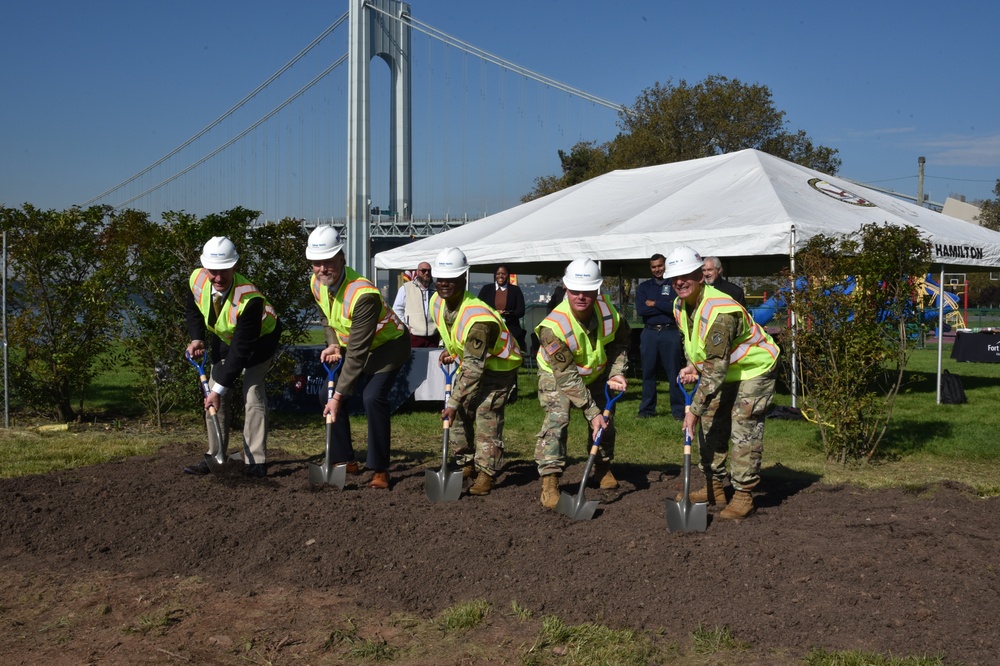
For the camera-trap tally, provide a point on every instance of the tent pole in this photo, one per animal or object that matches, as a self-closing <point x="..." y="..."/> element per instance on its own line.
<point x="6" y="386"/>
<point x="940" y="334"/>
<point x="795" y="367"/>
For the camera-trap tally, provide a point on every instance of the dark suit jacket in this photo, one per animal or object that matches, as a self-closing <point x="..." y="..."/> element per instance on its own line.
<point x="515" y="306"/>
<point x="731" y="290"/>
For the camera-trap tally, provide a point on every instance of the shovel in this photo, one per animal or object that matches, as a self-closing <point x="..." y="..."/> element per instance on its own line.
<point x="335" y="475"/>
<point x="577" y="507"/>
<point x="216" y="462"/>
<point x="442" y="485"/>
<point x="684" y="516"/>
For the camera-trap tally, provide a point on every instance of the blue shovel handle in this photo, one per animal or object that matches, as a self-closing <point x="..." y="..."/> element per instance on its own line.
<point x="331" y="377"/>
<point x="449" y="377"/>
<point x="200" y="367"/>
<point x="608" y="403"/>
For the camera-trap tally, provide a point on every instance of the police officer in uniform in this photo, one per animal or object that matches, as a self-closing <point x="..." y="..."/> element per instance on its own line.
<point x="659" y="341"/>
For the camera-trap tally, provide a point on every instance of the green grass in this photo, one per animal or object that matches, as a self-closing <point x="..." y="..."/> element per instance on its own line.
<point x="465" y="615"/>
<point x="926" y="442"/>
<point x="591" y="644"/>
<point x="719" y="639"/>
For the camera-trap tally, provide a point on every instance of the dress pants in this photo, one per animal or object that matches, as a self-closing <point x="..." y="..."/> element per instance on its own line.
<point x="661" y="348"/>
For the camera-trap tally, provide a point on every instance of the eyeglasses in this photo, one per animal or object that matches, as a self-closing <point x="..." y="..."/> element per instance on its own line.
<point x="423" y="270"/>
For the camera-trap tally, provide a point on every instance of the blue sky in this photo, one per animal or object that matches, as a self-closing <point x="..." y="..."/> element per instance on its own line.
<point x="93" y="92"/>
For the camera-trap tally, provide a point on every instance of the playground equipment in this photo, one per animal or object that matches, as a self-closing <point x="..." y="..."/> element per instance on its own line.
<point x="952" y="306"/>
<point x="926" y="287"/>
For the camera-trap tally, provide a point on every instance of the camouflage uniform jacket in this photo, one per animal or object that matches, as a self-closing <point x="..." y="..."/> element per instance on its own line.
<point x="479" y="340"/>
<point x="718" y="342"/>
<point x="564" y="370"/>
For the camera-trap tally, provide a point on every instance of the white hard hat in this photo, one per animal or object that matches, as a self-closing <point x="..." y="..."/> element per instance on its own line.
<point x="449" y="263"/>
<point x="583" y="275"/>
<point x="681" y="261"/>
<point x="219" y="253"/>
<point x="324" y="243"/>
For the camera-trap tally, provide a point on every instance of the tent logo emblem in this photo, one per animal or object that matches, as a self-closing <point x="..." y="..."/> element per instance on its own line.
<point x="839" y="193"/>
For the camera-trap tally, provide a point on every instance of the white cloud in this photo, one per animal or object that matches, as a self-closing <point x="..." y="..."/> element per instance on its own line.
<point x="982" y="151"/>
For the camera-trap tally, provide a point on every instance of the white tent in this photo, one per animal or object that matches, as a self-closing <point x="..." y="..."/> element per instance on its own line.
<point x="749" y="207"/>
<point x="742" y="206"/>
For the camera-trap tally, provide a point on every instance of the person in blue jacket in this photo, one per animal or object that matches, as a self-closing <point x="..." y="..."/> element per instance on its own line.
<point x="660" y="340"/>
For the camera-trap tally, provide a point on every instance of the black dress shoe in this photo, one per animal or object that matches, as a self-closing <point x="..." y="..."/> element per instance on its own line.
<point x="256" y="471"/>
<point x="201" y="469"/>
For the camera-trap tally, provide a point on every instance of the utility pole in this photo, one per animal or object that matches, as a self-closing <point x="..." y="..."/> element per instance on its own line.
<point x="920" y="181"/>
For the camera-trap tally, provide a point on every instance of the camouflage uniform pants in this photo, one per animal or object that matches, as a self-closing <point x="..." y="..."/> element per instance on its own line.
<point x="550" y="446"/>
<point x="737" y="415"/>
<point x="477" y="433"/>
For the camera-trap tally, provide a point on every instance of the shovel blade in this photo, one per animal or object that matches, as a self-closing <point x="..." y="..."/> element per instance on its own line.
<point x="216" y="462"/>
<point x="686" y="516"/>
<point x="576" y="507"/>
<point x="442" y="486"/>
<point x="325" y="475"/>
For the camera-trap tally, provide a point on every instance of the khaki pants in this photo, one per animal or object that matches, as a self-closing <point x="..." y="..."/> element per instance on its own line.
<point x="254" y="416"/>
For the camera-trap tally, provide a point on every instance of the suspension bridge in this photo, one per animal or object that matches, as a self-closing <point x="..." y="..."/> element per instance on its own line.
<point x="383" y="126"/>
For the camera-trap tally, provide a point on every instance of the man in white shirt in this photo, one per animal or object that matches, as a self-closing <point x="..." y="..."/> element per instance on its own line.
<point x="411" y="304"/>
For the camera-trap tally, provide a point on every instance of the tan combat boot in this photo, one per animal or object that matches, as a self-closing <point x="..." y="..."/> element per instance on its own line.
<point x="468" y="471"/>
<point x="602" y="473"/>
<point x="741" y="506"/>
<point x="483" y="484"/>
<point x="550" y="490"/>
<point x="714" y="493"/>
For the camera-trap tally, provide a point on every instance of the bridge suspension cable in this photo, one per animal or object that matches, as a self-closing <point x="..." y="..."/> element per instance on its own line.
<point x="442" y="36"/>
<point x="236" y="138"/>
<point x="225" y="115"/>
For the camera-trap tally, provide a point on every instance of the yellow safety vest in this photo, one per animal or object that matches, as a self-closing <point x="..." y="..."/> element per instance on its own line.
<point x="753" y="352"/>
<point x="505" y="354"/>
<point x="241" y="292"/>
<point x="339" y="311"/>
<point x="589" y="357"/>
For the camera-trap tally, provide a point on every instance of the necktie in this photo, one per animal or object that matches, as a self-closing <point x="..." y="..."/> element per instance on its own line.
<point x="217" y="302"/>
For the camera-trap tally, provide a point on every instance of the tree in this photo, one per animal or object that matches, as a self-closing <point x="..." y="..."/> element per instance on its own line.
<point x="855" y="304"/>
<point x="989" y="215"/>
<point x="72" y="272"/>
<point x="272" y="256"/>
<point x="584" y="161"/>
<point x="672" y="123"/>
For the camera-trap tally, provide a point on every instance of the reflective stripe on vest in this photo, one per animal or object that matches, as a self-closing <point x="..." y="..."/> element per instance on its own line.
<point x="339" y="312"/>
<point x="241" y="293"/>
<point x="753" y="353"/>
<point x="504" y="355"/>
<point x="590" y="361"/>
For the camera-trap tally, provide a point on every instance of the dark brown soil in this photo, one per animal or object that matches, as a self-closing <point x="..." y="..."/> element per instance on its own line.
<point x="136" y="562"/>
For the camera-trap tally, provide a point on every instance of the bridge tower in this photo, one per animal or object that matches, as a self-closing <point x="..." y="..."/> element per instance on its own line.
<point x="377" y="28"/>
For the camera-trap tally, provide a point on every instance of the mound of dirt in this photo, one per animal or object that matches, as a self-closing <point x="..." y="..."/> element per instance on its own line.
<point x="892" y="571"/>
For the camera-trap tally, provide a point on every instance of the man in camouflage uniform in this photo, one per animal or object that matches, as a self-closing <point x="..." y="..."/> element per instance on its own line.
<point x="474" y="335"/>
<point x="582" y="345"/>
<point x="736" y="360"/>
